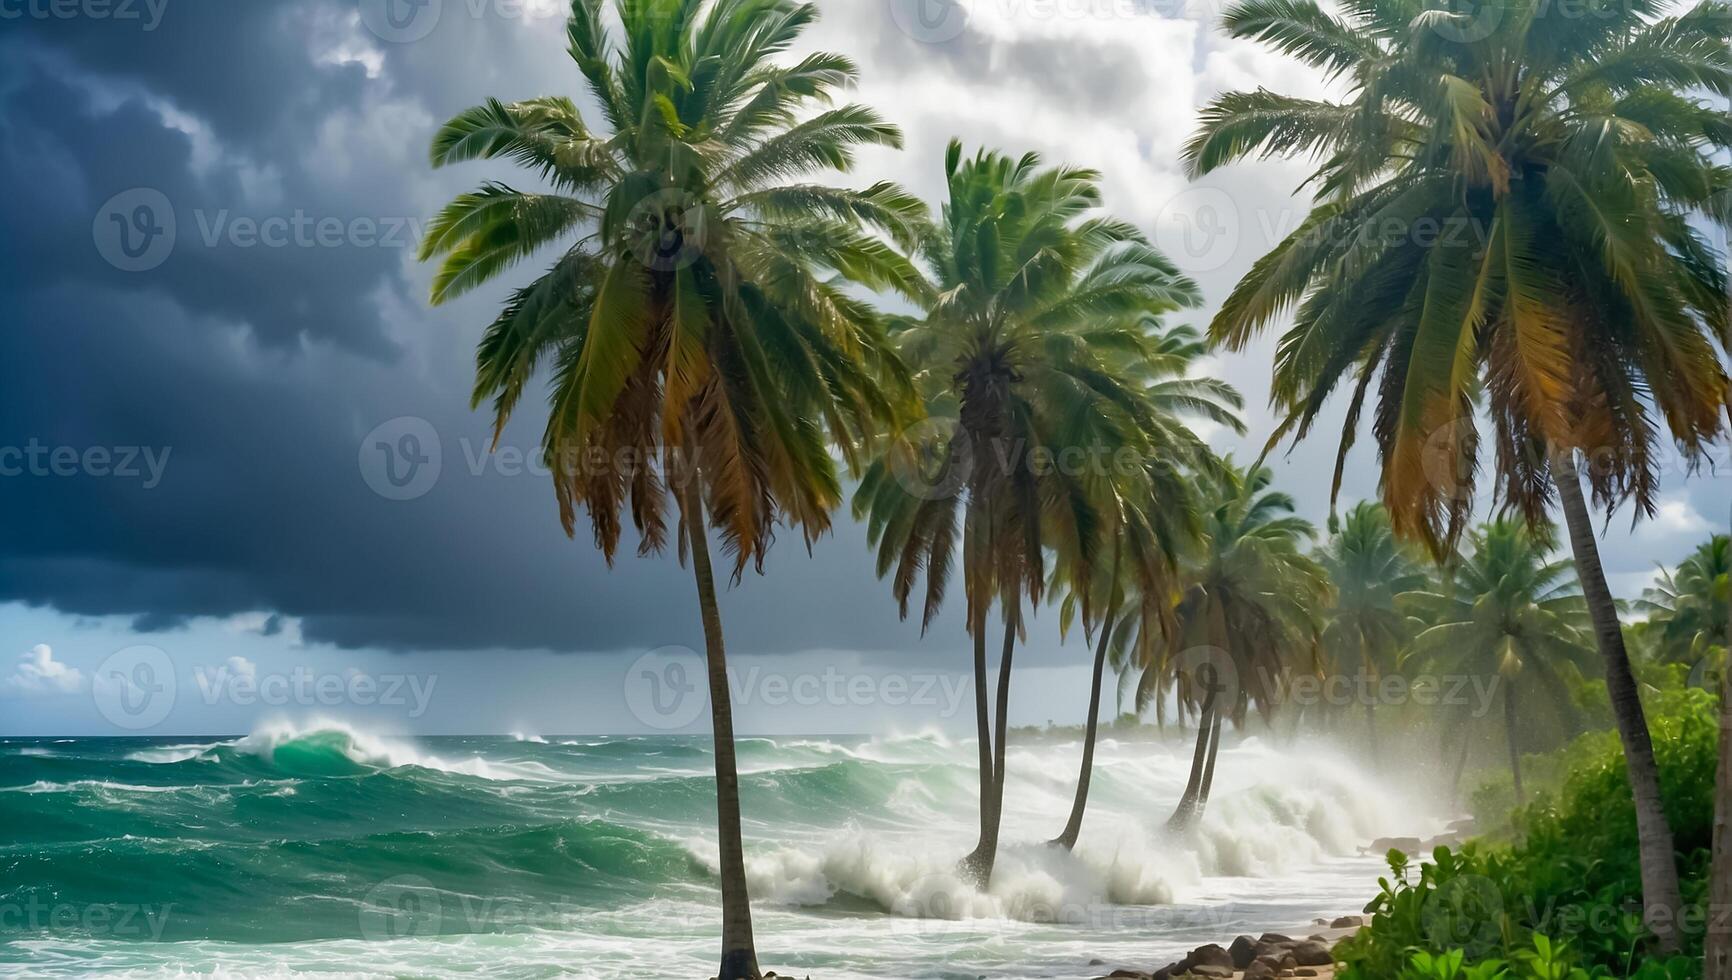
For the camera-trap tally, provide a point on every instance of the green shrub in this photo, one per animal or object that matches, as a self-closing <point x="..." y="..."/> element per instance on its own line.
<point x="1567" y="886"/>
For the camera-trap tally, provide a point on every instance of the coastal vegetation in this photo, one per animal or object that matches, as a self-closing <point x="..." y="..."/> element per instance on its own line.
<point x="738" y="338"/>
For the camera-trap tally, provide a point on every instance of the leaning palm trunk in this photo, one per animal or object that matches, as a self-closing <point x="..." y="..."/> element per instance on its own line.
<point x="1187" y="808"/>
<point x="1181" y="817"/>
<point x="739" y="952"/>
<point x="1073" y="826"/>
<point x="1209" y="768"/>
<point x="1662" y="900"/>
<point x="985" y="854"/>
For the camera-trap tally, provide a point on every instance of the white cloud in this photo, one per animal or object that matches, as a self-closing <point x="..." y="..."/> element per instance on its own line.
<point x="39" y="674"/>
<point x="1675" y="514"/>
<point x="242" y="667"/>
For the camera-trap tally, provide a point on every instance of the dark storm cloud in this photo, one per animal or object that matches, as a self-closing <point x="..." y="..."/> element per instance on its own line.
<point x="253" y="373"/>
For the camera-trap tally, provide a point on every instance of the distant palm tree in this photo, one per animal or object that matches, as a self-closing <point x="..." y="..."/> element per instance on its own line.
<point x="1036" y="303"/>
<point x="1149" y="521"/>
<point x="1510" y="227"/>
<point x="1364" y="631"/>
<point x="701" y="352"/>
<point x="1512" y="613"/>
<point x="1247" y="617"/>
<point x="1687" y="609"/>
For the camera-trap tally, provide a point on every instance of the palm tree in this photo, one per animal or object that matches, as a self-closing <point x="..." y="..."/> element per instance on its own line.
<point x="1511" y="612"/>
<point x="1149" y="519"/>
<point x="702" y="352"/>
<point x="1246" y="617"/>
<point x="1510" y="229"/>
<point x="1035" y="303"/>
<point x="1687" y="609"/>
<point x="1689" y="613"/>
<point x="1363" y="630"/>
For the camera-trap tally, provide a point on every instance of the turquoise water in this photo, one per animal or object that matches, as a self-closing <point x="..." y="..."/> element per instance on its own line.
<point x="323" y="850"/>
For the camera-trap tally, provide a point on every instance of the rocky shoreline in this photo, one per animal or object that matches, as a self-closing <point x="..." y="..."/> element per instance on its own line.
<point x="1264" y="957"/>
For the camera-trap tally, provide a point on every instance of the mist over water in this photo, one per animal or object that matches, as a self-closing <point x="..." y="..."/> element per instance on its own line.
<point x="319" y="848"/>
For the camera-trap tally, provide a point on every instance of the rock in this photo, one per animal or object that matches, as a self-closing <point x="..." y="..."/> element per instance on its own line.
<point x="1260" y="970"/>
<point x="1275" y="939"/>
<point x="1210" y="955"/>
<point x="1276" y="962"/>
<point x="1406" y="845"/>
<point x="1348" y="922"/>
<point x="1097" y="961"/>
<point x="1127" y="975"/>
<point x="1312" y="954"/>
<point x="1209" y="970"/>
<point x="1243" y="951"/>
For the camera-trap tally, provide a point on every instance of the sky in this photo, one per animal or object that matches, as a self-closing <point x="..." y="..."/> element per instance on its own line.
<point x="239" y="477"/>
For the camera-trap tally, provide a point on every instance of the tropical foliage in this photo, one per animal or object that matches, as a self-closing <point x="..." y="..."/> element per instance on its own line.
<point x="1511" y="229"/>
<point x="1568" y="873"/>
<point x="1687" y="611"/>
<point x="1510" y="612"/>
<point x="1363" y="630"/>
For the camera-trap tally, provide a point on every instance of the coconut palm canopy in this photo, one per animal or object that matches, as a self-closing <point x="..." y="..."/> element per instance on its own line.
<point x="1252" y="592"/>
<point x="1509" y="610"/>
<point x="698" y="303"/>
<point x="1040" y="333"/>
<point x="1369" y="568"/>
<point x="1512" y="225"/>
<point x="1687" y="610"/>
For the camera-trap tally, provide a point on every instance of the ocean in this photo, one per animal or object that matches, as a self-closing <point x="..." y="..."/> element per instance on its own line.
<point x="317" y="849"/>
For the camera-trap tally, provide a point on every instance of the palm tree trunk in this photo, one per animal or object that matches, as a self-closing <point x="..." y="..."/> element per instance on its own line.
<point x="985" y="854"/>
<point x="1073" y="826"/>
<point x="1460" y="767"/>
<point x="1509" y="730"/>
<point x="973" y="865"/>
<point x="1187" y="807"/>
<point x="1209" y="769"/>
<point x="1662" y="900"/>
<point x="739" y="952"/>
